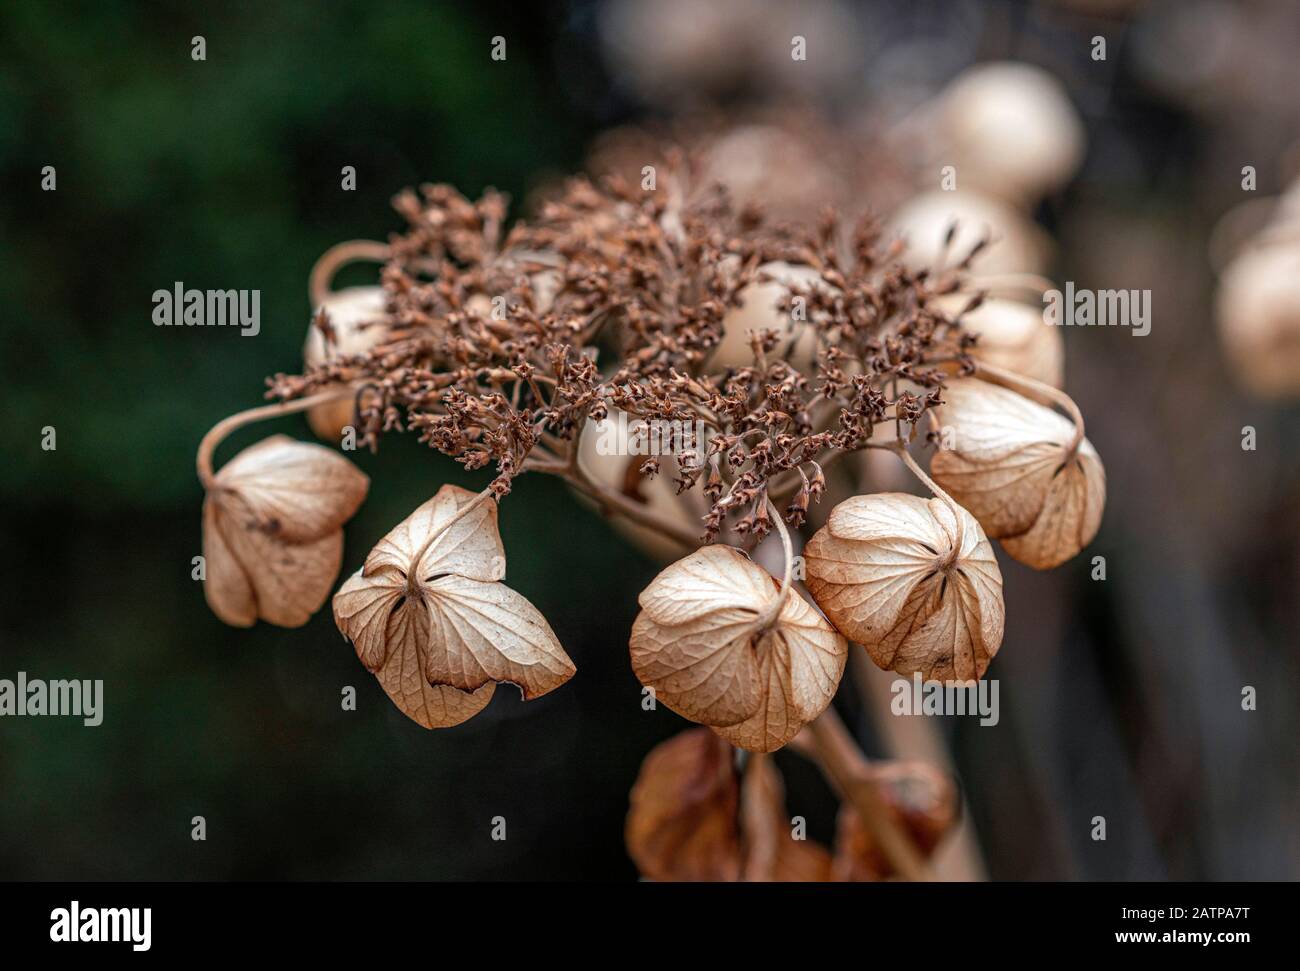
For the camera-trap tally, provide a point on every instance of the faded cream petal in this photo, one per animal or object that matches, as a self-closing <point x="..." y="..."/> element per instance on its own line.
<point x="485" y="632"/>
<point x="297" y="491"/>
<point x="469" y="547"/>
<point x="1007" y="460"/>
<point x="1070" y="516"/>
<point x="697" y="642"/>
<point x="225" y="585"/>
<point x="880" y="571"/>
<point x="402" y="676"/>
<point x="363" y="607"/>
<point x="708" y="673"/>
<point x="681" y="821"/>
<point x="801" y="663"/>
<point x="1013" y="336"/>
<point x="707" y="581"/>
<point x="290" y="581"/>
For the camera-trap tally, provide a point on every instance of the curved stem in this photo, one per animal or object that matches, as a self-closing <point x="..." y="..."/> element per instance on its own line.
<point x="1018" y="382"/>
<point x="850" y="773"/>
<point x="619" y="504"/>
<point x="338" y="256"/>
<point x="1025" y="282"/>
<point x="774" y="608"/>
<point x="219" y="431"/>
<point x="933" y="486"/>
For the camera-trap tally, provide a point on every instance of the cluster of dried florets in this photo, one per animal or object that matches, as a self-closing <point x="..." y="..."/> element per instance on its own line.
<point x="790" y="346"/>
<point x="499" y="347"/>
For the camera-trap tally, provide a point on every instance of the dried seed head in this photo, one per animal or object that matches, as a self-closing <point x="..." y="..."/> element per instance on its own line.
<point x="429" y="617"/>
<point x="1020" y="470"/>
<point x="761" y="308"/>
<point x="273" y="530"/>
<point x="711" y="645"/>
<point x="889" y="573"/>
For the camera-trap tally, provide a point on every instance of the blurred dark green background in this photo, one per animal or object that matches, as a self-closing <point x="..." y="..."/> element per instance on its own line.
<point x="1118" y="698"/>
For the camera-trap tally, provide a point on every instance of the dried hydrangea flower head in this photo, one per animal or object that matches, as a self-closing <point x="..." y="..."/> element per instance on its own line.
<point x="721" y="642"/>
<point x="1028" y="475"/>
<point x="506" y="347"/>
<point x="273" y="529"/>
<point x="912" y="580"/>
<point x="613" y="301"/>
<point x="431" y="620"/>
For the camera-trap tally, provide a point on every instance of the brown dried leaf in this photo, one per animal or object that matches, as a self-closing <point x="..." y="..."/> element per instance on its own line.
<point x="699" y="642"/>
<point x="681" y="824"/>
<point x="1010" y="465"/>
<point x="427" y="615"/>
<point x="272" y="531"/>
<point x="885" y="570"/>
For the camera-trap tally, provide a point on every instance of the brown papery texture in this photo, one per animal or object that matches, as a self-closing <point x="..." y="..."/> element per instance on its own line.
<point x="772" y="853"/>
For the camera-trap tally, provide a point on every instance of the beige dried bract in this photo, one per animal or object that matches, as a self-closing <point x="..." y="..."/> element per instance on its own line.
<point x="889" y="573"/>
<point x="1013" y="464"/>
<point x="703" y="643"/>
<point x="1258" y="309"/>
<point x="273" y="531"/>
<point x="358" y="322"/>
<point x="430" y="618"/>
<point x="1013" y="336"/>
